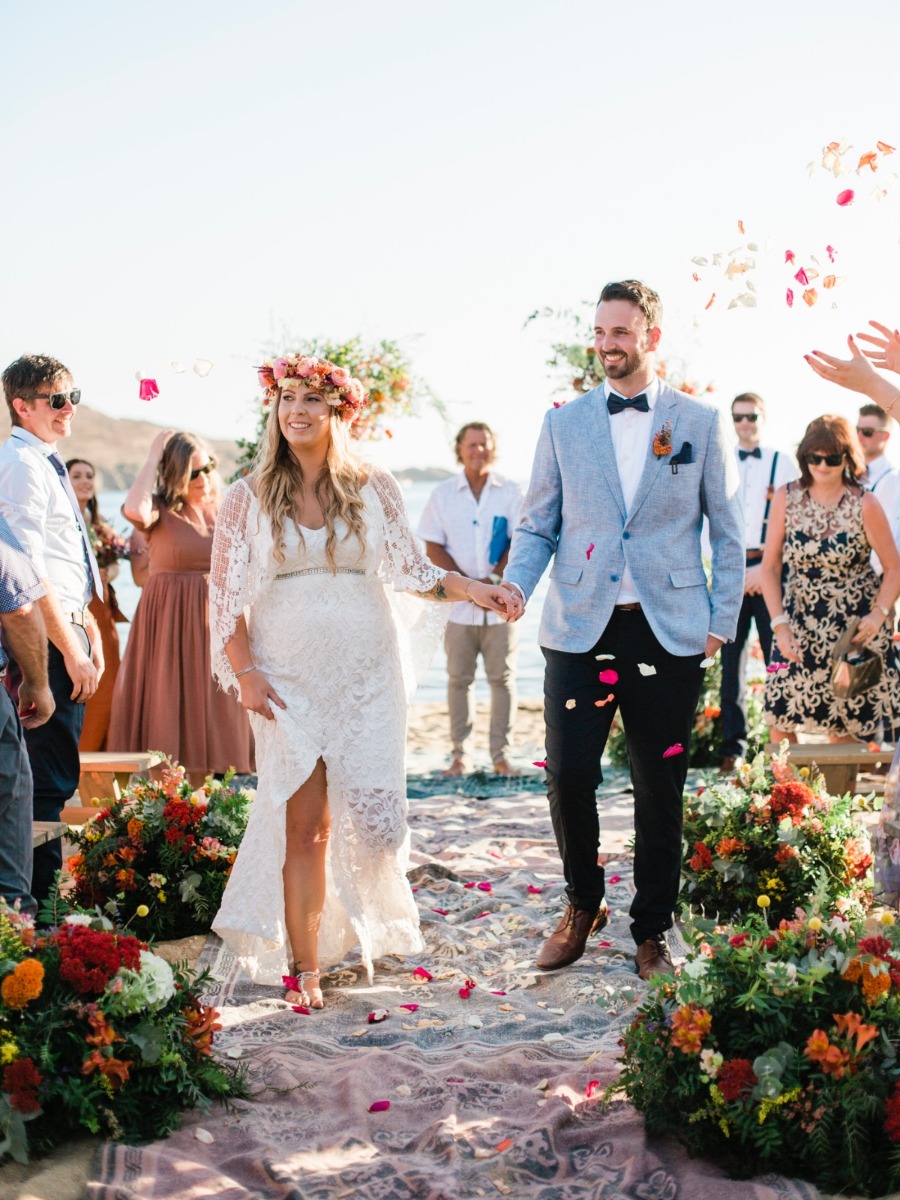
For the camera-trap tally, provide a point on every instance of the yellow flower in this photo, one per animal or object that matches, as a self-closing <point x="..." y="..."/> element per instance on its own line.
<point x="142" y="910"/>
<point x="886" y="918"/>
<point x="815" y="924"/>
<point x="763" y="901"/>
<point x="9" y="1052"/>
<point x="161" y="897"/>
<point x="804" y="772"/>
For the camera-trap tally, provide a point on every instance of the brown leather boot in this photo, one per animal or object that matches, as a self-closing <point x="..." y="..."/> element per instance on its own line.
<point x="567" y="941"/>
<point x="653" y="958"/>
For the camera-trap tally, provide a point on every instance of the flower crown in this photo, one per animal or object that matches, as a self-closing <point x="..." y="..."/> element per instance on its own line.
<point x="334" y="384"/>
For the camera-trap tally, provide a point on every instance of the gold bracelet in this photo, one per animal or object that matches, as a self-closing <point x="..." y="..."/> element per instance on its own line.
<point x="468" y="585"/>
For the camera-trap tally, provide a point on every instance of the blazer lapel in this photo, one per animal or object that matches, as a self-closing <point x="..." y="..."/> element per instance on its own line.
<point x="602" y="439"/>
<point x="665" y="410"/>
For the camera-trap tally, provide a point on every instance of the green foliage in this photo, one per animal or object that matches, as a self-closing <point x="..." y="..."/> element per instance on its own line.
<point x="384" y="370"/>
<point x="163" y="848"/>
<point x="775" y="1050"/>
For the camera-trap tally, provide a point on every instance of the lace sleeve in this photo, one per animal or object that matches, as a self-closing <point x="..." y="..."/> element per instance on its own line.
<point x="229" y="578"/>
<point x="409" y="569"/>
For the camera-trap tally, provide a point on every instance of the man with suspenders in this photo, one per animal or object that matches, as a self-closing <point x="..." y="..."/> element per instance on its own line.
<point x="882" y="480"/>
<point x="762" y="470"/>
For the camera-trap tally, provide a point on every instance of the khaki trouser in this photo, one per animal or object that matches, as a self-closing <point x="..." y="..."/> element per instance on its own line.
<point x="498" y="646"/>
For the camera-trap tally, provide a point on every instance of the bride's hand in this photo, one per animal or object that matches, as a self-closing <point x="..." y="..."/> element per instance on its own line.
<point x="494" y="596"/>
<point x="256" y="692"/>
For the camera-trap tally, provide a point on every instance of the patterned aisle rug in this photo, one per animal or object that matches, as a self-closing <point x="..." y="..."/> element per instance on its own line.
<point x="493" y="1088"/>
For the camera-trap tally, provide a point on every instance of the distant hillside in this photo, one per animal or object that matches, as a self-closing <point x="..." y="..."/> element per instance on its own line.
<point x="117" y="446"/>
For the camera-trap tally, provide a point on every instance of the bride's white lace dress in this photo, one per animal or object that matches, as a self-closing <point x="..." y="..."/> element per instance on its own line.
<point x="340" y="653"/>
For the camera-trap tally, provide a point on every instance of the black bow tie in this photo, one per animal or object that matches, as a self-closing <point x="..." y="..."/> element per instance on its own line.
<point x="616" y="404"/>
<point x="742" y="454"/>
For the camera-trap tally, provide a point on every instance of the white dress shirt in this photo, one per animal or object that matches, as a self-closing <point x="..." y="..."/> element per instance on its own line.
<point x="454" y="519"/>
<point x="38" y="510"/>
<point x="632" y="432"/>
<point x="883" y="481"/>
<point x="754" y="474"/>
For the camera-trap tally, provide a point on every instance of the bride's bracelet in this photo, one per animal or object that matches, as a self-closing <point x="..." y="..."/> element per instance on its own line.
<point x="468" y="585"/>
<point x="246" y="670"/>
<point x="781" y="619"/>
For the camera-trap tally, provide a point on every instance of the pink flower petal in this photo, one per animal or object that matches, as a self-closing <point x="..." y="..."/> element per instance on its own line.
<point x="423" y="974"/>
<point x="604" y="943"/>
<point x="300" y="1008"/>
<point x="480" y="915"/>
<point x="470" y="984"/>
<point x="291" y="982"/>
<point x="464" y="993"/>
<point x="148" y="390"/>
<point x="469" y="885"/>
<point x="534" y="891"/>
<point x="410" y="1007"/>
<point x="674" y="751"/>
<point x="589" y="551"/>
<point x="789" y="256"/>
<point x="615" y="879"/>
<point x="539" y="764"/>
<point x="376" y="1017"/>
<point x="802" y="277"/>
<point x="484" y="887"/>
<point x="442" y="912"/>
<point x="494" y="854"/>
<point x="830" y="251"/>
<point x="592" y="1088"/>
<point x="559" y="403"/>
<point x="846" y="197"/>
<point x="380" y="1106"/>
<point x="609" y="676"/>
<point x="497" y="993"/>
<point x="453" y="1079"/>
<point x="789" y="298"/>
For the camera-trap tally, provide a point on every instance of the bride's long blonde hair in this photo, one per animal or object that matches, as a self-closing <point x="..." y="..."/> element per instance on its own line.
<point x="278" y="477"/>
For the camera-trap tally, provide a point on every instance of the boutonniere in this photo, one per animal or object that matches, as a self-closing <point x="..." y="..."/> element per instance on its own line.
<point x="662" y="440"/>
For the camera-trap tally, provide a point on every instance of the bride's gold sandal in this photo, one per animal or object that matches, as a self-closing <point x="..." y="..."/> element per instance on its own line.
<point x="308" y="994"/>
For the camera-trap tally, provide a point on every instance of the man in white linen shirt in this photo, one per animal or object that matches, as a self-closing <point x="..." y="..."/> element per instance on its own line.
<point x="882" y="479"/>
<point x="37" y="500"/>
<point x="762" y="471"/>
<point x="467" y="526"/>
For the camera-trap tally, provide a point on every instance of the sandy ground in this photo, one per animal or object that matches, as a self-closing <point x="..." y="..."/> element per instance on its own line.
<point x="428" y="740"/>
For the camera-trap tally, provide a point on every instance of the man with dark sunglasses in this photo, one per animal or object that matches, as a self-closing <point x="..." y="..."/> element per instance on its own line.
<point x="882" y="479"/>
<point x="762" y="471"/>
<point x="38" y="502"/>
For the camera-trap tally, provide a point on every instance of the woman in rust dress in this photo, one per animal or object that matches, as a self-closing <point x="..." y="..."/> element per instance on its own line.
<point x="109" y="547"/>
<point x="165" y="697"/>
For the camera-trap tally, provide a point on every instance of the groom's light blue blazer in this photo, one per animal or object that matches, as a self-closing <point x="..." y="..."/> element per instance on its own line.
<point x="575" y="500"/>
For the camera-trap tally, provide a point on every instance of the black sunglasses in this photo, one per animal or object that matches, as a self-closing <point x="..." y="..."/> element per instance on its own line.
<point x="868" y="432"/>
<point x="58" y="399"/>
<point x="751" y="417"/>
<point x="207" y="470"/>
<point x="830" y="460"/>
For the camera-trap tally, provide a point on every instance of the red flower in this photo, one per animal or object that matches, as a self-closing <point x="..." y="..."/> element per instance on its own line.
<point x="88" y="958"/>
<point x="702" y="860"/>
<point x="791" y="797"/>
<point x="21" y="1079"/>
<point x="769" y="943"/>
<point x="786" y="855"/>
<point x="739" y="939"/>
<point x="892" y="1115"/>
<point x="735" y="1076"/>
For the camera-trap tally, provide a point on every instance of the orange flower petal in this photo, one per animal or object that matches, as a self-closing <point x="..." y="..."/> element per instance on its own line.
<point x="810" y="296"/>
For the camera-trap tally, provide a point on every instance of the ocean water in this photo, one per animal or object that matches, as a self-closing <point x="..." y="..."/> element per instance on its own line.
<point x="530" y="673"/>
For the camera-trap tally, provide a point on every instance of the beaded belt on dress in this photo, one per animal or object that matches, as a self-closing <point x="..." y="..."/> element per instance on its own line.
<point x="322" y="571"/>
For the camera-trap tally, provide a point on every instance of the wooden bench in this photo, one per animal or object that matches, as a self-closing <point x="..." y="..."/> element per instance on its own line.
<point x="46" y="831"/>
<point x="104" y="773"/>
<point x="839" y="762"/>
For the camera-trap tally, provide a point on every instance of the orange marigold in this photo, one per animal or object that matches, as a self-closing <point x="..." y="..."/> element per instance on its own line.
<point x="134" y="828"/>
<point x="23" y="984"/>
<point x="727" y="846"/>
<point x="690" y="1026"/>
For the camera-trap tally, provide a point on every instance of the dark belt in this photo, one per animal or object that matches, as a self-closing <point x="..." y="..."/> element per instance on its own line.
<point x="754" y="556"/>
<point x="628" y="607"/>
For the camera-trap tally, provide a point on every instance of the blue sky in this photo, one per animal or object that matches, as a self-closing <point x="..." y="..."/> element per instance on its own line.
<point x="184" y="179"/>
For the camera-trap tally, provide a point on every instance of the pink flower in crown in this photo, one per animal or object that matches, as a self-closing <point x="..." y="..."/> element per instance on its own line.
<point x="339" y="377"/>
<point x="279" y="368"/>
<point x="306" y="367"/>
<point x="265" y="375"/>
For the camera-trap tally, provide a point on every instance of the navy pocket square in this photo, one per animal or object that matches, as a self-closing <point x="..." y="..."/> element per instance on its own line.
<point x="683" y="458"/>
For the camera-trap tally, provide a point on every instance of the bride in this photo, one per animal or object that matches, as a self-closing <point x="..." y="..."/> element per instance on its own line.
<point x="309" y="551"/>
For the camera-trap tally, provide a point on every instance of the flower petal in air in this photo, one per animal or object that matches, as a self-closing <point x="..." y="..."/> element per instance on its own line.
<point x="376" y="1017"/>
<point x="609" y="676"/>
<point x="148" y="390"/>
<point x="539" y="764"/>
<point x="673" y="751"/>
<point x="178" y="367"/>
<point x="700" y="261"/>
<point x="421" y="973"/>
<point x="789" y="256"/>
<point x="741" y="229"/>
<point x="380" y="1106"/>
<point x="695" y="277"/>
<point x="830" y="251"/>
<point x="869" y="159"/>
<point x="802" y="277"/>
<point x="810" y="296"/>
<point x="885" y="148"/>
<point x="592" y="1088"/>
<point x="646" y="669"/>
<point x="589" y="551"/>
<point x="710" y="302"/>
<point x="202" y="367"/>
<point x="845" y="197"/>
<point x="789" y="297"/>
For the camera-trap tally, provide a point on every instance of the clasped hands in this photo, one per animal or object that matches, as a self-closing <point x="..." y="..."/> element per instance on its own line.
<point x="501" y="598"/>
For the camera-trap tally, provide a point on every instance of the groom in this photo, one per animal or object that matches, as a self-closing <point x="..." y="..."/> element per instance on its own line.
<point x="621" y="482"/>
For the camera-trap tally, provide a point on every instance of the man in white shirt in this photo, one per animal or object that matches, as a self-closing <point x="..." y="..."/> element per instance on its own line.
<point x="882" y="480"/>
<point x="38" y="502"/>
<point x="762" y="471"/>
<point x="467" y="526"/>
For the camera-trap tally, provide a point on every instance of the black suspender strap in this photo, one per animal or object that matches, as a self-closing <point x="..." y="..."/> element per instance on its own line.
<point x="769" y="494"/>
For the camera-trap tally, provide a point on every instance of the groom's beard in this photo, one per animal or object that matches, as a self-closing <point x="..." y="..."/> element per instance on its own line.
<point x="627" y="364"/>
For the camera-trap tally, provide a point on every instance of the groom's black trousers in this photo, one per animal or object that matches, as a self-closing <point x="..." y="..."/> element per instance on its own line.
<point x="657" y="713"/>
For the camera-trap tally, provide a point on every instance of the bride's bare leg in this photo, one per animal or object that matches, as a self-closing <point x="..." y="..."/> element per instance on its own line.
<point x="307" y="827"/>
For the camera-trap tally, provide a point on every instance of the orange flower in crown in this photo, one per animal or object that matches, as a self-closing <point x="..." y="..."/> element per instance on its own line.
<point x="337" y="387"/>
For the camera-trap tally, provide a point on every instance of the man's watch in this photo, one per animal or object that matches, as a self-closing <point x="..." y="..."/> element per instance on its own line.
<point x="495" y="578"/>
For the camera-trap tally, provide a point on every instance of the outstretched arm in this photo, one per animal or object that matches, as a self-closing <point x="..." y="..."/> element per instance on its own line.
<point x="857" y="374"/>
<point x="887" y="348"/>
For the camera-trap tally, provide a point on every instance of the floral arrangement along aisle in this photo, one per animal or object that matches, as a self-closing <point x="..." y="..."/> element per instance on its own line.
<point x="772" y="838"/>
<point x="385" y="372"/>
<point x="158" y="859"/>
<point x="775" y="1049"/>
<point x="97" y="1033"/>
